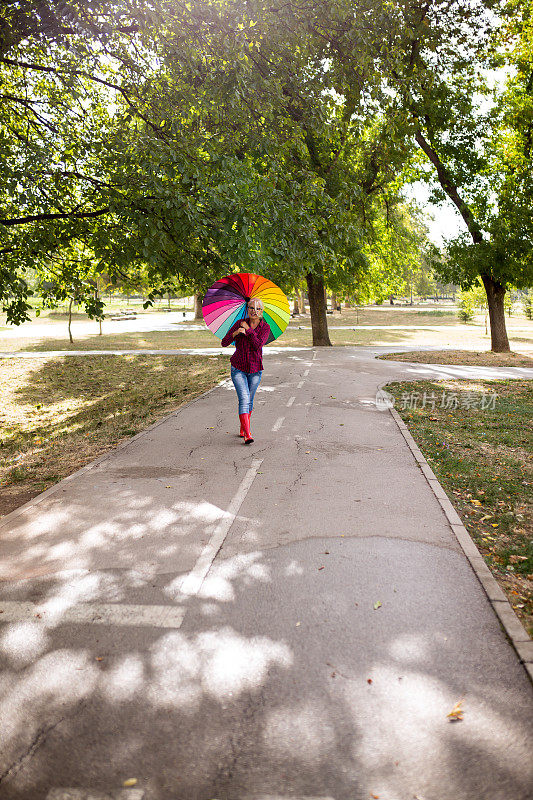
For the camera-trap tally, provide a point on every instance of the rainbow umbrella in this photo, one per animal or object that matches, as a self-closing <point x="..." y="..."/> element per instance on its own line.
<point x="226" y="302"/>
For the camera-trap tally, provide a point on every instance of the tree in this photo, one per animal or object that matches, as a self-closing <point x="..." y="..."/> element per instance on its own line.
<point x="423" y="65"/>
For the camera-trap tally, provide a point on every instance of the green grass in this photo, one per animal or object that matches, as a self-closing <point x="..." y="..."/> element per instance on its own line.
<point x="59" y="414"/>
<point x="427" y="326"/>
<point x="465" y="357"/>
<point x="483" y="459"/>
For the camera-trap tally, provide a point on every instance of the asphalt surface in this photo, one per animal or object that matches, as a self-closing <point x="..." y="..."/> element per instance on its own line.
<point x="290" y="619"/>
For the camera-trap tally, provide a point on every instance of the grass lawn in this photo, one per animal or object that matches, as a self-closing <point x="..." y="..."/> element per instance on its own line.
<point x="465" y="357"/>
<point x="59" y="414"/>
<point x="482" y="457"/>
<point x="387" y="325"/>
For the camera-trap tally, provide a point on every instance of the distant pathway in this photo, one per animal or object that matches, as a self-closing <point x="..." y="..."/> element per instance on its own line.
<point x="420" y="370"/>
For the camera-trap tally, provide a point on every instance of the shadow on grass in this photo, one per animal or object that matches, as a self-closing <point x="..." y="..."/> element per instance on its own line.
<point x="145" y="340"/>
<point x="76" y="408"/>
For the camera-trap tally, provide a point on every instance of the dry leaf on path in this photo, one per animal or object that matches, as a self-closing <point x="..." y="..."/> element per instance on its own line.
<point x="377" y="605"/>
<point x="457" y="712"/>
<point x="130" y="782"/>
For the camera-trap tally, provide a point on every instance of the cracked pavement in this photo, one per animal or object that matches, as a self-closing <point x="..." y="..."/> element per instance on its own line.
<point x="280" y="678"/>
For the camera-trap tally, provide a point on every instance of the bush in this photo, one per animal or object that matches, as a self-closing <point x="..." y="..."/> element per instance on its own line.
<point x="527" y="304"/>
<point x="467" y="307"/>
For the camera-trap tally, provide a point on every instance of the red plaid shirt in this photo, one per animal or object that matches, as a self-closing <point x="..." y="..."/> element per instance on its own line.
<point x="248" y="346"/>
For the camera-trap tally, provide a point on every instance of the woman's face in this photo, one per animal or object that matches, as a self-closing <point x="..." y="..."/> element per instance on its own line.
<point x="255" y="309"/>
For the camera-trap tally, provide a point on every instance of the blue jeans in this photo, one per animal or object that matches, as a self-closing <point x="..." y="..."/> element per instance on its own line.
<point x="246" y="384"/>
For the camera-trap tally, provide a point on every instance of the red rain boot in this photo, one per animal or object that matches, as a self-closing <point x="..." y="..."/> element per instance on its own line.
<point x="241" y="434"/>
<point x="245" y="424"/>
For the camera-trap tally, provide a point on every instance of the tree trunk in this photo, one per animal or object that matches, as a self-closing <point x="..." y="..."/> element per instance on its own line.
<point x="295" y="307"/>
<point x="499" y="343"/>
<point x="302" y="302"/>
<point x="198" y="306"/>
<point x="333" y="301"/>
<point x="70" y="321"/>
<point x="317" y="306"/>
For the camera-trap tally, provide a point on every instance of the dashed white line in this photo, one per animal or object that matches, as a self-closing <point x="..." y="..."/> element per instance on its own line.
<point x="92" y="794"/>
<point x="278" y="423"/>
<point x="94" y="614"/>
<point x="306" y="373"/>
<point x="284" y="797"/>
<point x="290" y="401"/>
<point x="300" y="384"/>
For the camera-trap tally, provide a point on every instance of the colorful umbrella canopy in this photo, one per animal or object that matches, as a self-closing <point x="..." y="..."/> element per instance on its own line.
<point x="226" y="302"/>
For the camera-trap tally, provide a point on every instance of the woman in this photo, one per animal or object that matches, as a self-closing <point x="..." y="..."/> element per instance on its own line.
<point x="249" y="335"/>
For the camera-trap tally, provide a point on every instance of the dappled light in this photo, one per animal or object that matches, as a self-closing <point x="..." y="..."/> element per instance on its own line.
<point x="313" y="651"/>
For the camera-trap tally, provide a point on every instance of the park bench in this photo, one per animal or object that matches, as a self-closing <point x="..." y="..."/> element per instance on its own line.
<point x="128" y="313"/>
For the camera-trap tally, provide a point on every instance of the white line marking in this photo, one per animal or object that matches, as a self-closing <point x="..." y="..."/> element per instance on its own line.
<point x="195" y="578"/>
<point x="91" y="794"/>
<point x="284" y="797"/>
<point x="306" y="373"/>
<point x="278" y="423"/>
<point x="94" y="613"/>
<point x="134" y="615"/>
<point x="290" y="401"/>
<point x="300" y="384"/>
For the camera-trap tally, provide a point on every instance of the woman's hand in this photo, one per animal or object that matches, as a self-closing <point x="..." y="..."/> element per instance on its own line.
<point x="244" y="325"/>
<point x="240" y="329"/>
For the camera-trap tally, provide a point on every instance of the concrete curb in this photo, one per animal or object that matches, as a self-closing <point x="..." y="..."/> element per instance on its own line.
<point x="512" y="626"/>
<point x="8" y="518"/>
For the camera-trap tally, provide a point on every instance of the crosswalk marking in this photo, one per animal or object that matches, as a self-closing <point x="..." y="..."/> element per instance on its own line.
<point x="91" y="794"/>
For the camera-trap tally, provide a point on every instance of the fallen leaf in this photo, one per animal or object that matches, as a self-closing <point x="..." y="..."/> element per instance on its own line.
<point x="168" y="487"/>
<point x="130" y="782"/>
<point x="369" y="680"/>
<point x="495" y="524"/>
<point x="298" y="624"/>
<point x="476" y="502"/>
<point x="377" y="605"/>
<point x="457" y="712"/>
<point x="375" y="796"/>
<point x="487" y="516"/>
<point x="210" y="428"/>
<point x="98" y="658"/>
<point x="320" y="568"/>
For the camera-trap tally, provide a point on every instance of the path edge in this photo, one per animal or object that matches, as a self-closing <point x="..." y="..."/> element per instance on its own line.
<point x="8" y="518"/>
<point x="515" y="631"/>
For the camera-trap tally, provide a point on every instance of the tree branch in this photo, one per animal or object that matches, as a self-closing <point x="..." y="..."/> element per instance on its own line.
<point x="65" y="215"/>
<point x="449" y="186"/>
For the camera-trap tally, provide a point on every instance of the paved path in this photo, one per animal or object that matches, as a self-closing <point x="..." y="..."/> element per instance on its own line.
<point x="203" y="616"/>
